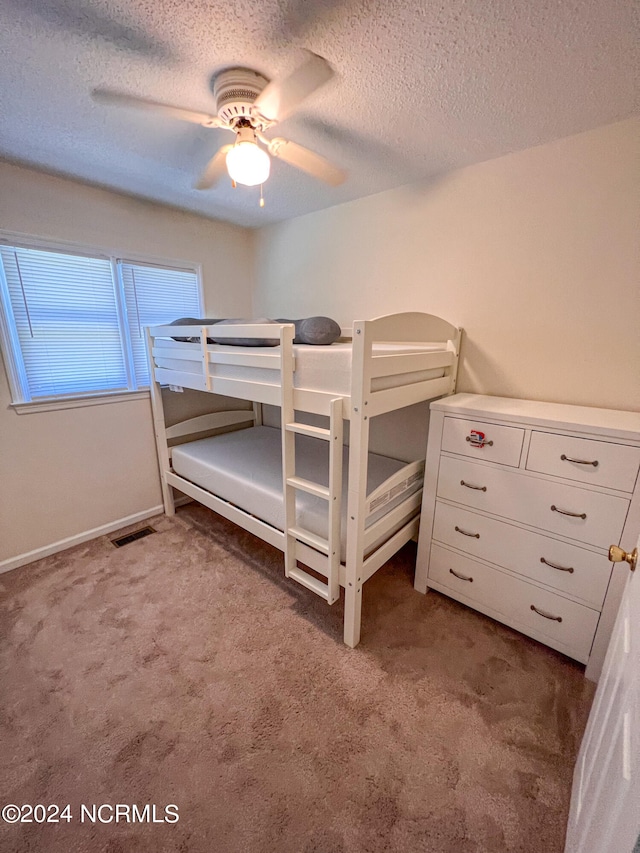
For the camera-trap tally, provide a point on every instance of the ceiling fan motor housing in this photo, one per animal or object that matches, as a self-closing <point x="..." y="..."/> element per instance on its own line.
<point x="235" y="90"/>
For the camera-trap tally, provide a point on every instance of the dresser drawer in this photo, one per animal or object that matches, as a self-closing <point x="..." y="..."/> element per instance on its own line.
<point x="602" y="463"/>
<point x="571" y="628"/>
<point x="597" y="518"/>
<point x="489" y="442"/>
<point x="523" y="552"/>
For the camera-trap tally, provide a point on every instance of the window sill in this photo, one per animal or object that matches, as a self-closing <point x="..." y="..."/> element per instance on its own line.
<point x="98" y="399"/>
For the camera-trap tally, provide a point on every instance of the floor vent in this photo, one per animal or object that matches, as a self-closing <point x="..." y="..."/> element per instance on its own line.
<point x="131" y="537"/>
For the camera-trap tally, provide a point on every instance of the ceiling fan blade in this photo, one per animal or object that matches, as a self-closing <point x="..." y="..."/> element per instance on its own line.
<point x="216" y="168"/>
<point x="298" y="18"/>
<point x="280" y="97"/>
<point x="84" y="18"/>
<point x="120" y="99"/>
<point x="306" y="160"/>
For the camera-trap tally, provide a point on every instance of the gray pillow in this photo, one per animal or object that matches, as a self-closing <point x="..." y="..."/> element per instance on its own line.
<point x="237" y="342"/>
<point x="246" y="342"/>
<point x="317" y="331"/>
<point x="192" y="321"/>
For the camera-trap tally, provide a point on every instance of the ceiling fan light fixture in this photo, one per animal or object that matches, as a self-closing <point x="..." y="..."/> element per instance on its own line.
<point x="247" y="163"/>
<point x="248" y="105"/>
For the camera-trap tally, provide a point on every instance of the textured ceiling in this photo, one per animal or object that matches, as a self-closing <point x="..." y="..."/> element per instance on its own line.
<point x="421" y="88"/>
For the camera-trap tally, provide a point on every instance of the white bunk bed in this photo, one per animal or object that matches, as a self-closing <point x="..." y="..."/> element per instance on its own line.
<point x="343" y="528"/>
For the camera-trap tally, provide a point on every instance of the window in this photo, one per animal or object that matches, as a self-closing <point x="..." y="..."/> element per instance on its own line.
<point x="153" y="296"/>
<point x="73" y="324"/>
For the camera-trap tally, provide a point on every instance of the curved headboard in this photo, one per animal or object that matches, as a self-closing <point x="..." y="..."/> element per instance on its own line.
<point x="412" y="326"/>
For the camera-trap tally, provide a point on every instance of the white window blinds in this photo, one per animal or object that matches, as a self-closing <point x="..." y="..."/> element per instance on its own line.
<point x="155" y="295"/>
<point x="74" y="324"/>
<point x="65" y="314"/>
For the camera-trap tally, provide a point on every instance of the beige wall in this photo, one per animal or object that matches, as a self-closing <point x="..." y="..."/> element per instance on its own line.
<point x="66" y="472"/>
<point x="535" y="254"/>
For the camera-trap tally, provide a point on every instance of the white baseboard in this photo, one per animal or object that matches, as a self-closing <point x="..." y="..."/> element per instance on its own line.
<point x="63" y="544"/>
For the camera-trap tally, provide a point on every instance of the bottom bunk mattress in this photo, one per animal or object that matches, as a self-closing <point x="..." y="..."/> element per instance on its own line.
<point x="245" y="469"/>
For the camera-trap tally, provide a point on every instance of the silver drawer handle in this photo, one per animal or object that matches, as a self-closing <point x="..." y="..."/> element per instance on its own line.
<point x="470" y="486"/>
<point x="559" y="568"/>
<point x="472" y="535"/>
<point x="582" y="515"/>
<point x="579" y="461"/>
<point x="479" y="443"/>
<point x="546" y="615"/>
<point x="462" y="577"/>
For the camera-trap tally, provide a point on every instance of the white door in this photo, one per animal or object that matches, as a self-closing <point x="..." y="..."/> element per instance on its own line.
<point x="605" y="799"/>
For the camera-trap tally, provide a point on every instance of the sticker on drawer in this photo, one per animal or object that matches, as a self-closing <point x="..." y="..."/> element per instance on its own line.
<point x="489" y="442"/>
<point x="477" y="438"/>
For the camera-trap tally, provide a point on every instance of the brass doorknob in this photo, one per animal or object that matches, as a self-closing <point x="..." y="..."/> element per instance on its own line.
<point x="617" y="555"/>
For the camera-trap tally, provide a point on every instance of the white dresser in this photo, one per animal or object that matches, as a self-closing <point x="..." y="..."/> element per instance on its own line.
<point x="521" y="502"/>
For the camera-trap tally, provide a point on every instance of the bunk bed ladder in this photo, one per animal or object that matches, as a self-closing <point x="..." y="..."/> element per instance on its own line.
<point x="296" y="536"/>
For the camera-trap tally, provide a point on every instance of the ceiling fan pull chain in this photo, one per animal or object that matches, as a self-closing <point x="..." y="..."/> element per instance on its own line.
<point x="261" y="197"/>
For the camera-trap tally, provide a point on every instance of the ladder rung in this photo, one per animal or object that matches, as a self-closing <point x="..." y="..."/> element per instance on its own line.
<point x="310" y="539"/>
<point x="307" y="429"/>
<point x="308" y="581"/>
<point x="308" y="486"/>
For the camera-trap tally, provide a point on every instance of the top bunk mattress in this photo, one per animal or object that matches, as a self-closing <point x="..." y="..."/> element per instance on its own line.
<point x="317" y="368"/>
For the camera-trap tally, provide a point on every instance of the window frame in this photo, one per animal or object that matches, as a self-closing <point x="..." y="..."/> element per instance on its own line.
<point x="10" y="344"/>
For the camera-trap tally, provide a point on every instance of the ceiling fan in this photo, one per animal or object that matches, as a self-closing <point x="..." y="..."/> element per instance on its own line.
<point x="248" y="105"/>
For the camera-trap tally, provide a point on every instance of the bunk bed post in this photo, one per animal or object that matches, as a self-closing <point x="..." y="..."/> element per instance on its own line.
<point x="336" y="428"/>
<point x="204" y="355"/>
<point x="159" y="428"/>
<point x="357" y="496"/>
<point x="287" y="415"/>
<point x="454" y="346"/>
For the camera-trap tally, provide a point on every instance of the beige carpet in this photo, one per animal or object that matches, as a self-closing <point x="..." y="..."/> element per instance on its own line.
<point x="183" y="669"/>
